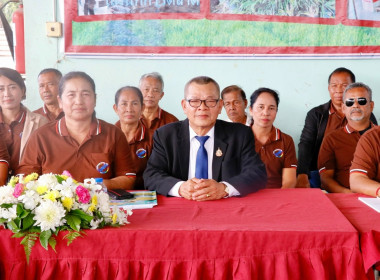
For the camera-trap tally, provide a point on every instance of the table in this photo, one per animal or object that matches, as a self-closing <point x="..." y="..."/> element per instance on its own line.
<point x="366" y="221"/>
<point x="272" y="234"/>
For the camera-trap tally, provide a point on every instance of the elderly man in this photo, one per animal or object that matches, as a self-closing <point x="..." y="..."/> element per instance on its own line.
<point x="338" y="147"/>
<point x="152" y="88"/>
<point x="202" y="158"/>
<point x="48" y="81"/>
<point x="320" y="121"/>
<point x="235" y="102"/>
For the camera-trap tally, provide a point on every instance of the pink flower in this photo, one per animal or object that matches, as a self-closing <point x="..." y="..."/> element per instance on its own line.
<point x="67" y="173"/>
<point x="83" y="194"/>
<point x="19" y="188"/>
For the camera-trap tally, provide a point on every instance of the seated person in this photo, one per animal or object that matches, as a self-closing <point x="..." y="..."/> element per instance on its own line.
<point x="4" y="162"/>
<point x="152" y="88"/>
<point x="276" y="149"/>
<point x="364" y="170"/>
<point x="319" y="122"/>
<point x="338" y="147"/>
<point x="202" y="158"/>
<point x="235" y="102"/>
<point x="79" y="142"/>
<point x="48" y="82"/>
<point x="16" y="121"/>
<point x="129" y="106"/>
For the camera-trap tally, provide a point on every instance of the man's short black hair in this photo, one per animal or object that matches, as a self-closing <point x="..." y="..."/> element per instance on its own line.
<point x="343" y="70"/>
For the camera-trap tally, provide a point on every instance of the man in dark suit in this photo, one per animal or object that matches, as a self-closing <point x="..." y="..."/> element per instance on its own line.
<point x="228" y="151"/>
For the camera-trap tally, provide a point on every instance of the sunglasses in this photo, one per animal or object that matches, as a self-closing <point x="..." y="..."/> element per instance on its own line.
<point x="351" y="101"/>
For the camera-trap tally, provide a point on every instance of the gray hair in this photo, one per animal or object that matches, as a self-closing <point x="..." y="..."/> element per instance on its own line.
<point x="202" y="80"/>
<point x="154" y="75"/>
<point x="358" y="85"/>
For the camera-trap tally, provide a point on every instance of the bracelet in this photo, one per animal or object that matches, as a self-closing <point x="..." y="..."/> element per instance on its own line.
<point x="377" y="192"/>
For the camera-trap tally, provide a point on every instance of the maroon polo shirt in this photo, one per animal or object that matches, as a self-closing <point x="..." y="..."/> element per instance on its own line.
<point x="104" y="153"/>
<point x="161" y="119"/>
<point x="337" y="151"/>
<point x="4" y="155"/>
<point x="141" y="148"/>
<point x="335" y="120"/>
<point x="367" y="154"/>
<point x="47" y="114"/>
<point x="12" y="134"/>
<point x="277" y="153"/>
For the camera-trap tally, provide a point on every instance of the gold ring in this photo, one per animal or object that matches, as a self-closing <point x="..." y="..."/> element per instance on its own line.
<point x="207" y="195"/>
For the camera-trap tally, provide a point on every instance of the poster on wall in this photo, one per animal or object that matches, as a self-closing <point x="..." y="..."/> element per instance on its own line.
<point x="257" y="28"/>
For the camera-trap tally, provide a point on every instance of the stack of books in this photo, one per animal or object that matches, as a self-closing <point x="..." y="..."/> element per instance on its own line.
<point x="140" y="200"/>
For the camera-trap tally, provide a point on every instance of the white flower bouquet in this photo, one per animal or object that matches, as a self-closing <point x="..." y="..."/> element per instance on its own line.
<point x="41" y="206"/>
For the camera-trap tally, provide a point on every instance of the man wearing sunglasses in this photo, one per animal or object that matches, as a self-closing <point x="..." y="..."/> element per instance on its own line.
<point x="320" y="121"/>
<point x="202" y="158"/>
<point x="338" y="147"/>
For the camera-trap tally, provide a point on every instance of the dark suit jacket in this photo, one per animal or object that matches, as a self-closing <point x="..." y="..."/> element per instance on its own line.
<point x="239" y="165"/>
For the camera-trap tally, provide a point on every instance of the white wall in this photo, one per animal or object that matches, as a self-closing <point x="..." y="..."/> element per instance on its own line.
<point x="302" y="83"/>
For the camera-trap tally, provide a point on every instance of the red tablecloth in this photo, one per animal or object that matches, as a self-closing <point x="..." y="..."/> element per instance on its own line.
<point x="273" y="234"/>
<point x="366" y="221"/>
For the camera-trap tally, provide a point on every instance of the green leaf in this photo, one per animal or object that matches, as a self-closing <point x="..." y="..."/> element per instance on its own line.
<point x="2" y="220"/>
<point x="59" y="179"/>
<point x="73" y="221"/>
<point x="19" y="209"/>
<point x="28" y="221"/>
<point x="71" y="236"/>
<point x="24" y="214"/>
<point x="35" y="229"/>
<point x="52" y="242"/>
<point x="12" y="226"/>
<point x="82" y="215"/>
<point x="28" y="242"/>
<point x="6" y="205"/>
<point x="19" y="234"/>
<point x="44" y="238"/>
<point x="18" y="222"/>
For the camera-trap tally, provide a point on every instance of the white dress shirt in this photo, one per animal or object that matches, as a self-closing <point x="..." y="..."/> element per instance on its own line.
<point x="194" y="146"/>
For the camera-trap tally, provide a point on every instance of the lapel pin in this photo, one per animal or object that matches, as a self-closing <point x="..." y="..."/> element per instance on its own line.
<point x="218" y="152"/>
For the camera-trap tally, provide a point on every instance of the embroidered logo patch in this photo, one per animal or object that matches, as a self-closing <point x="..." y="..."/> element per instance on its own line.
<point x="141" y="153"/>
<point x="278" y="153"/>
<point x="103" y="167"/>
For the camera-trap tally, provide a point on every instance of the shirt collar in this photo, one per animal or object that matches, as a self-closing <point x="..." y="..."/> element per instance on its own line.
<point x="20" y="117"/>
<point x="140" y="133"/>
<point x="332" y="109"/>
<point x="61" y="128"/>
<point x="349" y="129"/>
<point x="209" y="133"/>
<point x="275" y="134"/>
<point x="248" y="121"/>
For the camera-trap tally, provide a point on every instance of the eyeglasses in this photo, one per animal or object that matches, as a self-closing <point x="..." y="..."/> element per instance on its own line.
<point x="196" y="103"/>
<point x="361" y="101"/>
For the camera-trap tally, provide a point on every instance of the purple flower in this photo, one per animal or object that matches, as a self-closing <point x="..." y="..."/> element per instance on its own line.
<point x="19" y="188"/>
<point x="83" y="194"/>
